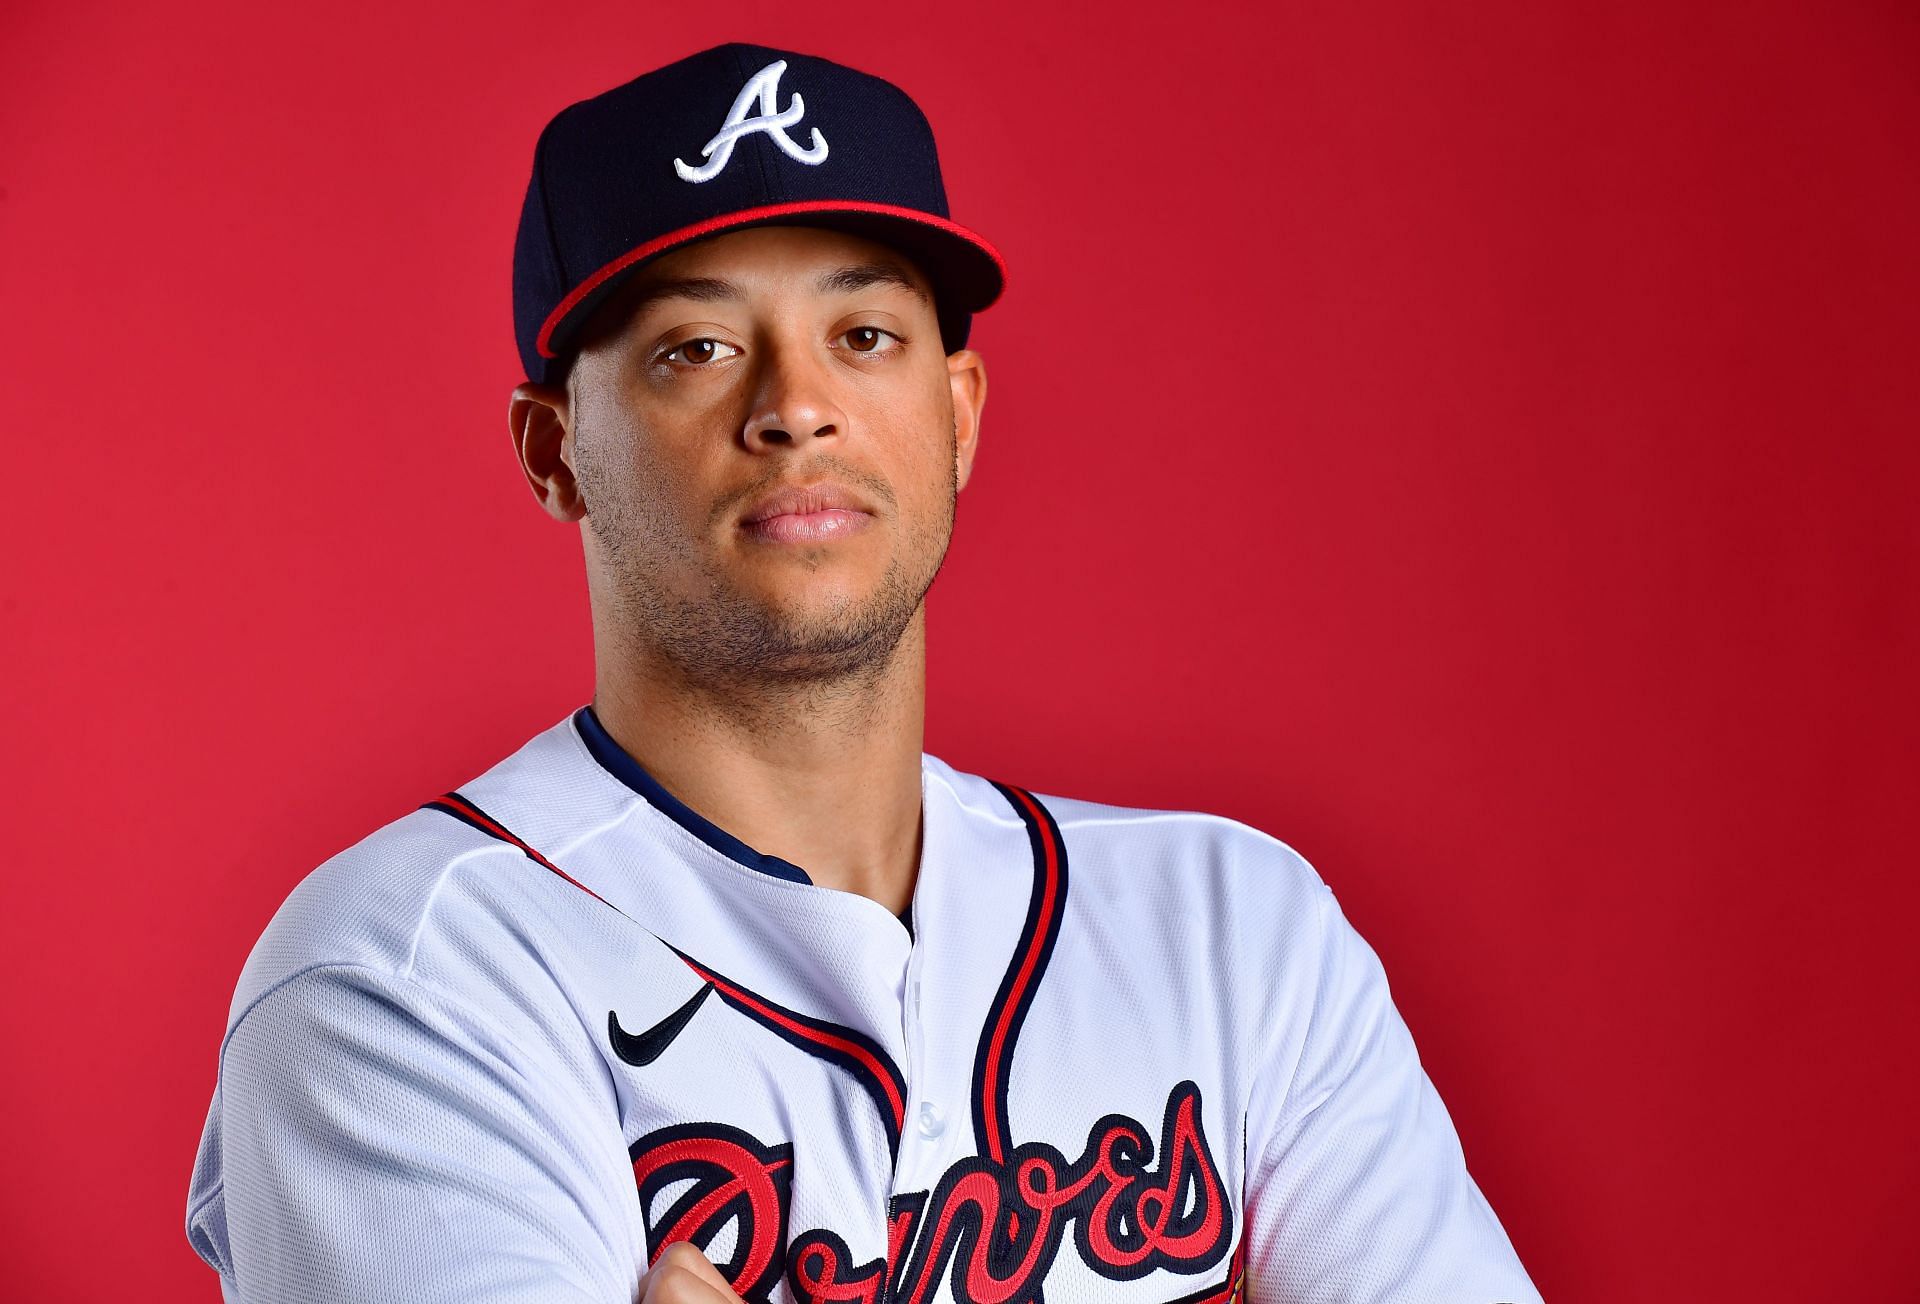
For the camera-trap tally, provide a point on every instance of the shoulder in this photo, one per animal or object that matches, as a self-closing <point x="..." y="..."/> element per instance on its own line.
<point x="363" y="908"/>
<point x="433" y="975"/>
<point x="397" y="903"/>
<point x="1240" y="874"/>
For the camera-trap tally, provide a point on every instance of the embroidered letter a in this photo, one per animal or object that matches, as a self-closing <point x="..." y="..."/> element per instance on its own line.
<point x="763" y="86"/>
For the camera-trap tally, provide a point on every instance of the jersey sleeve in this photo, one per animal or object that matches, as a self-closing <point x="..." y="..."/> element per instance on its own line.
<point x="1356" y="1186"/>
<point x="376" y="1140"/>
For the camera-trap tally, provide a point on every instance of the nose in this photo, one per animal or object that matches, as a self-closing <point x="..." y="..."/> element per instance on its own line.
<point x="795" y="402"/>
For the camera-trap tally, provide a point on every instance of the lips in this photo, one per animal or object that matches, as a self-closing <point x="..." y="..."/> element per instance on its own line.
<point x="798" y="500"/>
<point x="806" y="514"/>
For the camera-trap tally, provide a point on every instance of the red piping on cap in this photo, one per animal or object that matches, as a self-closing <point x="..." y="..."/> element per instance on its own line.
<point x="741" y="217"/>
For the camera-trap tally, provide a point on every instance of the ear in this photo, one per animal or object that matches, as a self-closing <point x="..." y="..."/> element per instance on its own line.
<point x="967" y="377"/>
<point x="542" y="427"/>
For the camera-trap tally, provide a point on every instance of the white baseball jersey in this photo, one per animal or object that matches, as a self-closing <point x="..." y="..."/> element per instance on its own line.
<point x="513" y="1044"/>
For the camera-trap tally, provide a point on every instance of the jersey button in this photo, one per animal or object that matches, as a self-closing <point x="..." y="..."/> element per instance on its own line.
<point x="932" y="1121"/>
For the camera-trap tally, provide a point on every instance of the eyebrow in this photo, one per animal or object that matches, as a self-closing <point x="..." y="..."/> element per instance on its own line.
<point x="713" y="289"/>
<point x="701" y="289"/>
<point x="846" y="280"/>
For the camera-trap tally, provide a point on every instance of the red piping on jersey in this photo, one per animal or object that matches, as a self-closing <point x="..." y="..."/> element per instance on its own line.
<point x="742" y="217"/>
<point x="853" y="1049"/>
<point x="997" y="1047"/>
<point x="459" y="806"/>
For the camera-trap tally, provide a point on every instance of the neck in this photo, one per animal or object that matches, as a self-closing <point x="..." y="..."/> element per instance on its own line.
<point x="824" y="774"/>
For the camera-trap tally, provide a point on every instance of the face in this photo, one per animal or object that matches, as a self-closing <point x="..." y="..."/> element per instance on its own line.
<point x="765" y="440"/>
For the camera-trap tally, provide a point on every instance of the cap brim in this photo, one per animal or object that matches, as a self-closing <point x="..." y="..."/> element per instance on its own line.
<point x="967" y="272"/>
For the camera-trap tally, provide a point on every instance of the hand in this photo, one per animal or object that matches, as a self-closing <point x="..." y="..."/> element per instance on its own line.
<point x="683" y="1275"/>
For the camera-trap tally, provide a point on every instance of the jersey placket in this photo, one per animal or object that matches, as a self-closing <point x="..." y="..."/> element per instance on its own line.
<point x="969" y="913"/>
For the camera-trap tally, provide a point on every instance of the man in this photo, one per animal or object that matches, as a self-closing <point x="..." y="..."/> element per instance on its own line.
<point x="719" y="988"/>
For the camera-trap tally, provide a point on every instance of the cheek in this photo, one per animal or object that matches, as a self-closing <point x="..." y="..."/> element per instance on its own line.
<point x="923" y="477"/>
<point x="635" y="455"/>
<point x="631" y="493"/>
<point x="922" y="432"/>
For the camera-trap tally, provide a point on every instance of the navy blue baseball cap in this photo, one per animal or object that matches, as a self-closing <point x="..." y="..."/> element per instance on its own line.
<point x="731" y="137"/>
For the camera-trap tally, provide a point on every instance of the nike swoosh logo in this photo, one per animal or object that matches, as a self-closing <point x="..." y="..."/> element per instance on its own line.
<point x="648" y="1046"/>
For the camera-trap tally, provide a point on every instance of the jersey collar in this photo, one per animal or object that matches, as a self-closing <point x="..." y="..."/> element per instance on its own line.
<point x="616" y="760"/>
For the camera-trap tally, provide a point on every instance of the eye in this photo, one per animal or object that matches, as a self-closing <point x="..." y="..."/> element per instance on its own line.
<point x="870" y="339"/>
<point x="699" y="352"/>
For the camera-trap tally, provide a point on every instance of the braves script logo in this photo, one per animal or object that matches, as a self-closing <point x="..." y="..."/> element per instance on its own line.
<point x="763" y="86"/>
<point x="994" y="1229"/>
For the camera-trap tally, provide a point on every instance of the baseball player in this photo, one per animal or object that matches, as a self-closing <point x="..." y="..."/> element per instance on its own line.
<point x="720" y="988"/>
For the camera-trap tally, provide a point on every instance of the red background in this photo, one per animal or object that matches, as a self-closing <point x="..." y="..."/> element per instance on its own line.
<point x="1475" y="443"/>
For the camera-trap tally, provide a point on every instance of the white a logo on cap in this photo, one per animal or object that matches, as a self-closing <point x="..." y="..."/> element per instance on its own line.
<point x="765" y="87"/>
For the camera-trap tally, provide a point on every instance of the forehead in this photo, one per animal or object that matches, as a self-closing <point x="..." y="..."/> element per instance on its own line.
<point x="775" y="258"/>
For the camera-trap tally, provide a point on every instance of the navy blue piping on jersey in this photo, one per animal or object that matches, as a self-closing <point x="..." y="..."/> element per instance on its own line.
<point x="615" y="760"/>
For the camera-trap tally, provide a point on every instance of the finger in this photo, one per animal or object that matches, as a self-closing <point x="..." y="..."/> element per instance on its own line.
<point x="678" y="1286"/>
<point x="683" y="1275"/>
<point x="685" y="1254"/>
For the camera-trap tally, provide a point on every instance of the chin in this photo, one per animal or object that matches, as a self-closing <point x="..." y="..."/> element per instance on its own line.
<point x="820" y="587"/>
<point x="835" y="624"/>
<point x="825" y="621"/>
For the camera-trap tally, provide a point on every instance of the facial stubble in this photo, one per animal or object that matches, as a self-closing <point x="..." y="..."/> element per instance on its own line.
<point x="712" y="632"/>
